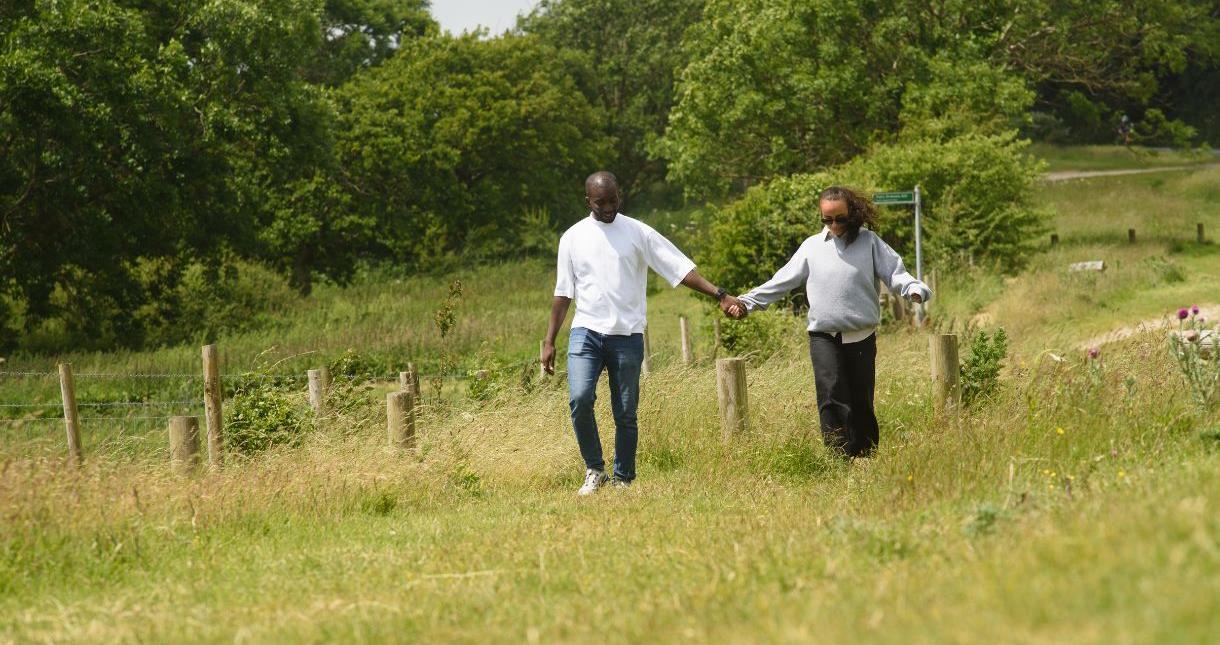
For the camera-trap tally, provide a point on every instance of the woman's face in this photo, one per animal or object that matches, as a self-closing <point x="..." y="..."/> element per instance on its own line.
<point x="834" y="215"/>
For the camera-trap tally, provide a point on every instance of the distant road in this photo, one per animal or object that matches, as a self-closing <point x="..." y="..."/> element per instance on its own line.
<point x="1064" y="175"/>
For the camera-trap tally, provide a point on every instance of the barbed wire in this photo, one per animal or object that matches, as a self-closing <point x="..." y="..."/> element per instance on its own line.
<point x="82" y="419"/>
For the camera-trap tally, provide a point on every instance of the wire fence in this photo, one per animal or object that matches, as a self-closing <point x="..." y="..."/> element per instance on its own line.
<point x="129" y="421"/>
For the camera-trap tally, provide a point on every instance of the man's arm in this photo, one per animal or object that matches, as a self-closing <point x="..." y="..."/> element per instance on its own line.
<point x="559" y="311"/>
<point x="730" y="305"/>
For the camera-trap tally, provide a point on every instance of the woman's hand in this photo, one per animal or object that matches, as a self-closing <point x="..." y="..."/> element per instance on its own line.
<point x="916" y="298"/>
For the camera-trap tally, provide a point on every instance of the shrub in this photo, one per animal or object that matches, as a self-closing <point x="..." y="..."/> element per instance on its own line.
<point x="760" y="334"/>
<point x="981" y="371"/>
<point x="977" y="205"/>
<point x="261" y="415"/>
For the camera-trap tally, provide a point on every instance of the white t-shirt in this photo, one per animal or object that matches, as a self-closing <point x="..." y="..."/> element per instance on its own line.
<point x="604" y="267"/>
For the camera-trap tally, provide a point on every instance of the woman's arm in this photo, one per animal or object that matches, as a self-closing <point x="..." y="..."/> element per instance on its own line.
<point x="792" y="275"/>
<point x="891" y="271"/>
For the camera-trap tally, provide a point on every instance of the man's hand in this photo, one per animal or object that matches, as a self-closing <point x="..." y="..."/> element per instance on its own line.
<point x="733" y="307"/>
<point x="548" y="357"/>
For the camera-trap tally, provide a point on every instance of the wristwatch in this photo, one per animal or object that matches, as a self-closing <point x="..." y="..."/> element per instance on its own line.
<point x="720" y="294"/>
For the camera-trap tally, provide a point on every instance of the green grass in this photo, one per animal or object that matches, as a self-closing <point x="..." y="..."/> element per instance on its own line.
<point x="1077" y="505"/>
<point x="1062" y="158"/>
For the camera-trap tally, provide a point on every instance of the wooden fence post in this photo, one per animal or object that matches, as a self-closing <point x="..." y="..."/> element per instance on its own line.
<point x="1130" y="236"/>
<point x="946" y="394"/>
<point x="184" y="442"/>
<point x="400" y="419"/>
<point x="67" y="388"/>
<point x="212" y="394"/>
<point x="1199" y="233"/>
<point x="688" y="356"/>
<point x="319" y="389"/>
<point x="646" y="366"/>
<point x="1054" y="239"/>
<point x="414" y="380"/>
<point x="731" y="394"/>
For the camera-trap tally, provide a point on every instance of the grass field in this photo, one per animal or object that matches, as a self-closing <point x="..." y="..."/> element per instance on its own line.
<point x="1116" y="157"/>
<point x="1076" y="505"/>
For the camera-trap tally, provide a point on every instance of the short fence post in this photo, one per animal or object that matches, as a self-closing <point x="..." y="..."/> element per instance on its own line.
<point x="414" y="380"/>
<point x="184" y="442"/>
<point x="688" y="356"/>
<point x="212" y="394"/>
<point x="946" y="394"/>
<point x="731" y="394"/>
<point x="1054" y="239"/>
<point x="319" y="388"/>
<point x="1130" y="236"/>
<point x="400" y="419"/>
<point x="1199" y="233"/>
<point x="67" y="388"/>
<point x="646" y="366"/>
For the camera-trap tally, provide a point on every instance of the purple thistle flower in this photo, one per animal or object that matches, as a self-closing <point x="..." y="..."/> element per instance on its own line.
<point x="1182" y="313"/>
<point x="1094" y="352"/>
<point x="1194" y="310"/>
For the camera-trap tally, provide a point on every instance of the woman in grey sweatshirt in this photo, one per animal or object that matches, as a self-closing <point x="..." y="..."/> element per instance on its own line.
<point x="840" y="268"/>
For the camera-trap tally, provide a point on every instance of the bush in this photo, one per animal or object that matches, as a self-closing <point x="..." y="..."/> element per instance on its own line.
<point x="760" y="334"/>
<point x="980" y="372"/>
<point x="261" y="415"/>
<point x="977" y="205"/>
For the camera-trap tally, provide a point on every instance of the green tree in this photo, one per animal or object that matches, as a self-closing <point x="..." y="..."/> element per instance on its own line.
<point x="449" y="143"/>
<point x="142" y="130"/>
<point x="357" y="34"/>
<point x="631" y="51"/>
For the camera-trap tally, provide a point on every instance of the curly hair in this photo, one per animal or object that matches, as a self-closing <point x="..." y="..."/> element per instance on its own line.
<point x="860" y="210"/>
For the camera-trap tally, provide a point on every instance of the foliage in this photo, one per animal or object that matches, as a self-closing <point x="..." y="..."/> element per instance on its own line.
<point x="980" y="372"/>
<point x="262" y="415"/>
<point x="776" y="87"/>
<point x="977" y="196"/>
<point x="1196" y="351"/>
<point x="453" y="137"/>
<point x="146" y="133"/>
<point x="760" y="334"/>
<point x="358" y="34"/>
<point x="630" y="51"/>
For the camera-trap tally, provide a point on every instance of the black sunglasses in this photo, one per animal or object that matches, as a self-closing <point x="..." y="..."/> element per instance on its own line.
<point x="842" y="219"/>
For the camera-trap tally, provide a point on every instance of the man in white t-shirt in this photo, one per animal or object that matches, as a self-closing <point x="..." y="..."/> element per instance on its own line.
<point x="603" y="265"/>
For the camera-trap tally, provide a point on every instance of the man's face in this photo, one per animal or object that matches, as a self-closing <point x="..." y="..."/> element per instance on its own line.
<point x="604" y="201"/>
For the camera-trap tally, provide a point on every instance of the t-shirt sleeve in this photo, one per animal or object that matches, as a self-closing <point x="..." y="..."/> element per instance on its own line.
<point x="565" y="275"/>
<point x="665" y="258"/>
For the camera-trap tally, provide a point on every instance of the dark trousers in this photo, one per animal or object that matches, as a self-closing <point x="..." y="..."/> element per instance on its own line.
<point x="845" y="375"/>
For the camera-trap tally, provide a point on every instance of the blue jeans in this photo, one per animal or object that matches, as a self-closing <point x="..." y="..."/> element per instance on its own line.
<point x="621" y="356"/>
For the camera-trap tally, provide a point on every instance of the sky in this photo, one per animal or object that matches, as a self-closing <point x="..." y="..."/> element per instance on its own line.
<point x="463" y="15"/>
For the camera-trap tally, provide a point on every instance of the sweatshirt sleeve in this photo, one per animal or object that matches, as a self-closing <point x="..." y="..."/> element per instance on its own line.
<point x="790" y="276"/>
<point x="893" y="274"/>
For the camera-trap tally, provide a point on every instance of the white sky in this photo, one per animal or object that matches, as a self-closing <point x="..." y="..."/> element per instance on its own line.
<point x="464" y="15"/>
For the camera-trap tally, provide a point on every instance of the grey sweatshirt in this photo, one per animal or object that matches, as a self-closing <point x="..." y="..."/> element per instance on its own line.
<point x="840" y="281"/>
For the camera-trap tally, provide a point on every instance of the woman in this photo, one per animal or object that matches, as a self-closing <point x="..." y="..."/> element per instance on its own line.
<point x="840" y="267"/>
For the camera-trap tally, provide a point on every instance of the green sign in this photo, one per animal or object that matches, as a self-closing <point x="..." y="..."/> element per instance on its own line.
<point x="894" y="198"/>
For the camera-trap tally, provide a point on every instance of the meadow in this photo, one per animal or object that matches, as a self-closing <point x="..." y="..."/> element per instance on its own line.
<point x="1077" y="503"/>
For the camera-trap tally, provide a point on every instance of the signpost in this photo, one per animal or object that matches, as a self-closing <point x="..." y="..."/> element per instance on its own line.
<point x="909" y="197"/>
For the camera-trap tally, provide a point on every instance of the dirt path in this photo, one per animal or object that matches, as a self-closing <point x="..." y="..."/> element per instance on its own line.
<point x="1209" y="312"/>
<point x="1064" y="175"/>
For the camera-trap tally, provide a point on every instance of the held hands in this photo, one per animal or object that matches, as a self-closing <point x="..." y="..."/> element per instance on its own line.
<point x="733" y="307"/>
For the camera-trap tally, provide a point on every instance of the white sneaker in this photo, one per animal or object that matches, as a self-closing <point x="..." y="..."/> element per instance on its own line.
<point x="594" y="479"/>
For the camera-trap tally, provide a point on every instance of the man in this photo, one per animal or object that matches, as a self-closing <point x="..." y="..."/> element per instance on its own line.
<point x="603" y="264"/>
